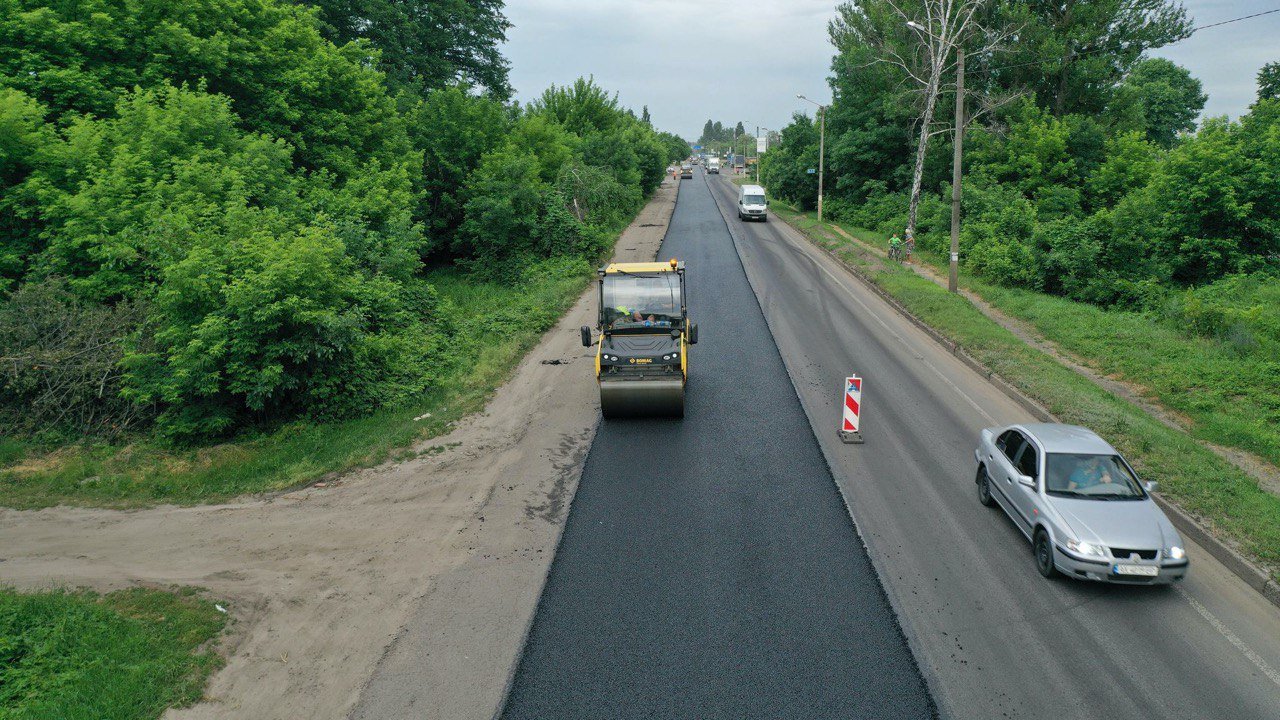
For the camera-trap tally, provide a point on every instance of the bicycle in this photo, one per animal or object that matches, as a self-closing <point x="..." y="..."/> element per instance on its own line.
<point x="895" y="253"/>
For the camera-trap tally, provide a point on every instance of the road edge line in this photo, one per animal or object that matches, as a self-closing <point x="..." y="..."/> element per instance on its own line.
<point x="568" y="509"/>
<point x="932" y="683"/>
<point x="1240" y="566"/>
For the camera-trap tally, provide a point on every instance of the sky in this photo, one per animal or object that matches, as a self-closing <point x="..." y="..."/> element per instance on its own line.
<point x="731" y="60"/>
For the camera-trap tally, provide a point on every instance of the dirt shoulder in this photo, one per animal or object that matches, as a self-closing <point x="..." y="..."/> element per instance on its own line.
<point x="401" y="589"/>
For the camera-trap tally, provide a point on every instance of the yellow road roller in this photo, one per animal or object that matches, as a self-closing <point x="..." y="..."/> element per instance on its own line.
<point x="642" y="354"/>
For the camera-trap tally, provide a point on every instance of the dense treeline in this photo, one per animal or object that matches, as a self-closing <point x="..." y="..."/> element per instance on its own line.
<point x="212" y="216"/>
<point x="1085" y="176"/>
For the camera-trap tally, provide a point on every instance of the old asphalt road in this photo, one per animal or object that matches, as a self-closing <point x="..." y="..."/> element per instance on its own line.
<point x="992" y="637"/>
<point x="708" y="568"/>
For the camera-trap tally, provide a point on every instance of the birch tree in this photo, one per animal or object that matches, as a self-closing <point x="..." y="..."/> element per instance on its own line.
<point x="920" y="40"/>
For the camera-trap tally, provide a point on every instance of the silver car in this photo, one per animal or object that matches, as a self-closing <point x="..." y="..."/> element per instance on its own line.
<point x="1081" y="505"/>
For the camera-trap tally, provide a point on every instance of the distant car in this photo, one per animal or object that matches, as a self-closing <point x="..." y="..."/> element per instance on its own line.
<point x="1080" y="503"/>
<point x="686" y="171"/>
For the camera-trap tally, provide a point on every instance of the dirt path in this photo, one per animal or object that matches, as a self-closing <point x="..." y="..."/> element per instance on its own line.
<point x="333" y="588"/>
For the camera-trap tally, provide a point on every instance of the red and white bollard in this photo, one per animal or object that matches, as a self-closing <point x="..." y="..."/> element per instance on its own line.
<point x="850" y="427"/>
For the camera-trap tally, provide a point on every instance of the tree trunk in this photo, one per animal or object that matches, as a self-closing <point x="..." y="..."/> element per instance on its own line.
<point x="917" y="176"/>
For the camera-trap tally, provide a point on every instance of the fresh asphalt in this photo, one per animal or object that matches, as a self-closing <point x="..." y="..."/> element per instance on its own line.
<point x="993" y="638"/>
<point x="709" y="567"/>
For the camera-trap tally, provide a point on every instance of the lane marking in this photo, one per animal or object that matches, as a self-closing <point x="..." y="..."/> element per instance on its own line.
<point x="1218" y="625"/>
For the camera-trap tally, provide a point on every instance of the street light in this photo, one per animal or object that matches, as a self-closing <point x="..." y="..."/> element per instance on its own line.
<point x="822" y="139"/>
<point x="956" y="163"/>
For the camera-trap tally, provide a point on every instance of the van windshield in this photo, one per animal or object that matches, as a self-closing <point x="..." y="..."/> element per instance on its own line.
<point x="752" y="199"/>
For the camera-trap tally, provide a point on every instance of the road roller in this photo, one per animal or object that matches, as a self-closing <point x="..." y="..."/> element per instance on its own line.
<point x="642" y="359"/>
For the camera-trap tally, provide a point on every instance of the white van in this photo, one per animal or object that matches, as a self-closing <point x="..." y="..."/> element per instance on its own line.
<point x="713" y="166"/>
<point x="752" y="204"/>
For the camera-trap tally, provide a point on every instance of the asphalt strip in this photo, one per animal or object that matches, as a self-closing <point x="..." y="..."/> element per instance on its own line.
<point x="709" y="567"/>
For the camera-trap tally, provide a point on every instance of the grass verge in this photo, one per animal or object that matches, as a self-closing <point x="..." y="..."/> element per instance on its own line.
<point x="488" y="326"/>
<point x="1218" y="494"/>
<point x="121" y="656"/>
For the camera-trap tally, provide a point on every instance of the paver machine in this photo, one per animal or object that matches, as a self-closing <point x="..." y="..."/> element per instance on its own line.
<point x="642" y="359"/>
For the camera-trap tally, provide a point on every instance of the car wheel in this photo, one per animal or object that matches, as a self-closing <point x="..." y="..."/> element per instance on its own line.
<point x="984" y="487"/>
<point x="1044" y="555"/>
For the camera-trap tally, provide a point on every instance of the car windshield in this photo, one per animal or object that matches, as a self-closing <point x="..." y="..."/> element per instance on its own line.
<point x="1092" y="477"/>
<point x="641" y="302"/>
<point x="752" y="199"/>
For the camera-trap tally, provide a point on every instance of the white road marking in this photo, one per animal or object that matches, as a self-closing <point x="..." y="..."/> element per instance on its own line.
<point x="1217" y="624"/>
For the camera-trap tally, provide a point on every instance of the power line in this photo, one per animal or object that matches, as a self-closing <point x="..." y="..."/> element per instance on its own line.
<point x="1193" y="31"/>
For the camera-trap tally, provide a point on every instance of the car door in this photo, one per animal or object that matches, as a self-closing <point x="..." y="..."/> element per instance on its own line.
<point x="1003" y="472"/>
<point x="1025" y="499"/>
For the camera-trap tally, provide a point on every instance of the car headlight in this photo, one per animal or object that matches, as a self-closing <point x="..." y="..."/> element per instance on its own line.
<point x="1177" y="553"/>
<point x="1084" y="548"/>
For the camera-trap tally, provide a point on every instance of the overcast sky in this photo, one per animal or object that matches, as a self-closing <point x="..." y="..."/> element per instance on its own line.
<point x="731" y="60"/>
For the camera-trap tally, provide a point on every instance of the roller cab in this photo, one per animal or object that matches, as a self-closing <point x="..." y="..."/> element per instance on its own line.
<point x="645" y="333"/>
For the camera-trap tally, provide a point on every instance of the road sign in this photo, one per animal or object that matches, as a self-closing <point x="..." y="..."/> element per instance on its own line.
<point x="850" y="420"/>
<point x="811" y="171"/>
<point x="697" y="147"/>
<point x="762" y="143"/>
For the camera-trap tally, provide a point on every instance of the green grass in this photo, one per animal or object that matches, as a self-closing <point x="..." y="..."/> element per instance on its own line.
<point x="1216" y="492"/>
<point x="83" y="656"/>
<point x="491" y="326"/>
<point x="1232" y="398"/>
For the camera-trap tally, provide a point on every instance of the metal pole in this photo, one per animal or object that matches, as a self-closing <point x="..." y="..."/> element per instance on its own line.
<point x="757" y="154"/>
<point x="822" y="140"/>
<point x="953" y="280"/>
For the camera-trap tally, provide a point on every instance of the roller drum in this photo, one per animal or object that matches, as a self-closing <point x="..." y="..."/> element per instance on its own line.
<point x="651" y="397"/>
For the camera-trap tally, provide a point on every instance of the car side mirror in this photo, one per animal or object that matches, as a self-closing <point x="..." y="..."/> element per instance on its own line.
<point x="693" y="333"/>
<point x="1150" y="486"/>
<point x="586" y="336"/>
<point x="1027" y="481"/>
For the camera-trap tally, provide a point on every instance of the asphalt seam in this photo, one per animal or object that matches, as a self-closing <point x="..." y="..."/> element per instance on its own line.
<point x="931" y="681"/>
<point x="1236" y="563"/>
<point x="528" y="626"/>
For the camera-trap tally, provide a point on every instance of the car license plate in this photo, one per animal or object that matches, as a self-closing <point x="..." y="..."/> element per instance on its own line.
<point x="1145" y="570"/>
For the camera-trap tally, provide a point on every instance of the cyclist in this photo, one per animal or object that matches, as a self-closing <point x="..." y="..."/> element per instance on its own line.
<point x="895" y="247"/>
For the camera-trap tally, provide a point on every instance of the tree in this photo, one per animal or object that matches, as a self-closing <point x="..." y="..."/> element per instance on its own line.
<point x="427" y="44"/>
<point x="921" y="47"/>
<point x="1158" y="98"/>
<point x="455" y="129"/>
<point x="644" y="116"/>
<point x="580" y="108"/>
<point x="739" y="130"/>
<point x="1269" y="82"/>
<point x="1070" y="55"/>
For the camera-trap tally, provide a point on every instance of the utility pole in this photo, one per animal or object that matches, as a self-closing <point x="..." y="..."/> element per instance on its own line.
<point x="757" y="154"/>
<point x="822" y="154"/>
<point x="822" y="141"/>
<point x="953" y="281"/>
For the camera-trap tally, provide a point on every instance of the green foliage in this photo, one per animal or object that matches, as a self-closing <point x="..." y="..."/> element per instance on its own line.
<point x="1269" y="82"/>
<point x="1158" y="98"/>
<point x="426" y="44"/>
<point x="268" y="57"/>
<point x="1072" y="56"/>
<point x="127" y="655"/>
<point x="25" y="142"/>
<point x="455" y="129"/>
